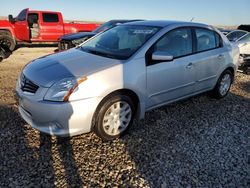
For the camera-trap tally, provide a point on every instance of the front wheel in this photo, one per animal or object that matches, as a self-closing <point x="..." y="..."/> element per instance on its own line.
<point x="7" y="42"/>
<point x="114" y="117"/>
<point x="223" y="85"/>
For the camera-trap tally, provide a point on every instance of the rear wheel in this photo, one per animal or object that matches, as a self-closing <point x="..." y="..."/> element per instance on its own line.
<point x="6" y="41"/>
<point x="223" y="85"/>
<point x="114" y="117"/>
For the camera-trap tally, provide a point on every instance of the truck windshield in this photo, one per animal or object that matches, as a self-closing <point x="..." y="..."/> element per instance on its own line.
<point x="22" y="15"/>
<point x="120" y="42"/>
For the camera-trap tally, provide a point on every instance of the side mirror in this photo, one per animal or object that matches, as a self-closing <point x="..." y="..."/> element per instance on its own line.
<point x="162" y="56"/>
<point x="11" y="19"/>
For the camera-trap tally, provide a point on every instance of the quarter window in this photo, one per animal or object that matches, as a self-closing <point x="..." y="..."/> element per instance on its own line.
<point x="50" y="17"/>
<point x="177" y="42"/>
<point x="206" y="39"/>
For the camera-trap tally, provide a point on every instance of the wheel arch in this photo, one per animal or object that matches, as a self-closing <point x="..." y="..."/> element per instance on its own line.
<point x="9" y="32"/>
<point x="231" y="69"/>
<point x="128" y="92"/>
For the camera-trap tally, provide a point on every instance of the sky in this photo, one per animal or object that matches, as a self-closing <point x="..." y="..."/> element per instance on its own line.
<point x="215" y="12"/>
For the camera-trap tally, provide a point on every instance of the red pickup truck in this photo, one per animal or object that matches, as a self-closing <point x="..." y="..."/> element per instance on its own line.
<point x="37" y="26"/>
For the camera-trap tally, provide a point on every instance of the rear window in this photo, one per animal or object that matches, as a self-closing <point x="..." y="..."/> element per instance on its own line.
<point x="50" y="17"/>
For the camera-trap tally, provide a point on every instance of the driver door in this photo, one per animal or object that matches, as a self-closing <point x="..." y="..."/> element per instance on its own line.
<point x="170" y="80"/>
<point x="21" y="26"/>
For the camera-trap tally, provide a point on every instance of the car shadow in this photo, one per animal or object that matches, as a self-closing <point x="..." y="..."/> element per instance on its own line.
<point x="18" y="157"/>
<point x="245" y="86"/>
<point x="196" y="142"/>
<point x="31" y="161"/>
<point x="192" y="143"/>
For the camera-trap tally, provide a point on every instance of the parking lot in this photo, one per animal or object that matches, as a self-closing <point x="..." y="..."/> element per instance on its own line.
<point x="198" y="142"/>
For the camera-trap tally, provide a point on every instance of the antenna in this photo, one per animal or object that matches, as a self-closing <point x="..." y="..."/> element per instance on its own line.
<point x="192" y="19"/>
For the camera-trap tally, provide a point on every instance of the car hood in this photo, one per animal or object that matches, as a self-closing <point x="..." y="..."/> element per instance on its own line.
<point x="47" y="70"/>
<point x="75" y="36"/>
<point x="242" y="42"/>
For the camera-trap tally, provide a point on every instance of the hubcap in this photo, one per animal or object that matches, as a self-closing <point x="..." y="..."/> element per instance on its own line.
<point x="225" y="84"/>
<point x="117" y="118"/>
<point x="5" y="42"/>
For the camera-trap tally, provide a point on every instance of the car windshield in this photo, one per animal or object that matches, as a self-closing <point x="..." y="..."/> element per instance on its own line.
<point x="235" y="35"/>
<point x="104" y="27"/>
<point x="120" y="42"/>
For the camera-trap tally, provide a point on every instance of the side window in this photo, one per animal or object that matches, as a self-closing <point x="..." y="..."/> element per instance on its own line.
<point x="32" y="19"/>
<point x="206" y="39"/>
<point x="22" y="15"/>
<point x="50" y="17"/>
<point x="177" y="42"/>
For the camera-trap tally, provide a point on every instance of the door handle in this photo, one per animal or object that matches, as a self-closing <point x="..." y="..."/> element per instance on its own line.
<point x="221" y="56"/>
<point x="189" y="66"/>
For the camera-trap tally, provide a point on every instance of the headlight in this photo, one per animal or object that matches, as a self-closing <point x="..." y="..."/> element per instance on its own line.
<point x="79" y="41"/>
<point x="62" y="90"/>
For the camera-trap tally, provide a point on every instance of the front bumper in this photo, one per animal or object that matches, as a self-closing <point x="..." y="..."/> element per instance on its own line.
<point x="244" y="64"/>
<point x="65" y="45"/>
<point x="58" y="118"/>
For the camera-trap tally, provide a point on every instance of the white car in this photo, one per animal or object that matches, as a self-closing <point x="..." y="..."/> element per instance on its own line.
<point x="244" y="44"/>
<point x="241" y="39"/>
<point x="123" y="72"/>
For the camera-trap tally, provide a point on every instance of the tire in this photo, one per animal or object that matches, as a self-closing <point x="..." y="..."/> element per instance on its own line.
<point x="223" y="85"/>
<point x="108" y="124"/>
<point x="7" y="41"/>
<point x="2" y="54"/>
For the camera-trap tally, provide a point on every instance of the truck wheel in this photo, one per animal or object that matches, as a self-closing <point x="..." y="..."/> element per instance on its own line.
<point x="1" y="55"/>
<point x="7" y="41"/>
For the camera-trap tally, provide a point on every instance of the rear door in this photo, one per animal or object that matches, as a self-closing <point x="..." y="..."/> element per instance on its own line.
<point x="51" y="27"/>
<point x="170" y="80"/>
<point x="21" y="26"/>
<point x="210" y="56"/>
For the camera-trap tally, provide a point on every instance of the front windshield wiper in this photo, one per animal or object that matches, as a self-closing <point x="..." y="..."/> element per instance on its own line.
<point x="96" y="52"/>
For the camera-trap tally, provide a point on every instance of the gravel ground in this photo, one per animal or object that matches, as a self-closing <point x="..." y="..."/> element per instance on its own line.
<point x="199" y="142"/>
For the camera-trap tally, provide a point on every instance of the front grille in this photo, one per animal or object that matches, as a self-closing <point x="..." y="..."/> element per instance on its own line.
<point x="27" y="85"/>
<point x="64" y="45"/>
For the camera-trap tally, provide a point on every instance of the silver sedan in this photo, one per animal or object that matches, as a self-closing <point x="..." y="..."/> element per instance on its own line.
<point x="118" y="75"/>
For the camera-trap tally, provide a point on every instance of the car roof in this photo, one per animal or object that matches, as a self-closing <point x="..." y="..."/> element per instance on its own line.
<point x="238" y="30"/>
<point x="123" y="21"/>
<point x="165" y="23"/>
